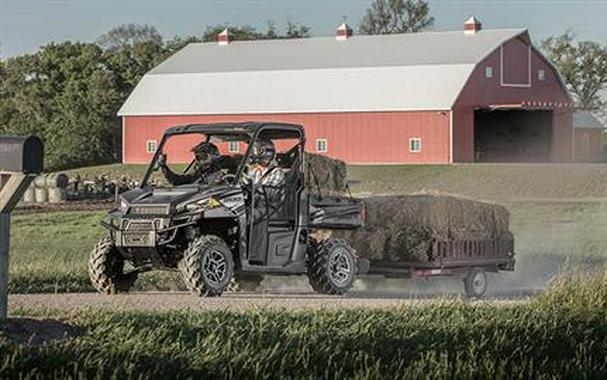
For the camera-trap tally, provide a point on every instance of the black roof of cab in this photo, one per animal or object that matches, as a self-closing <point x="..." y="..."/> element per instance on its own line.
<point x="249" y="127"/>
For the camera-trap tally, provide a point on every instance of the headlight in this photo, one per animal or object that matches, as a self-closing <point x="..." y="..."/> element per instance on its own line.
<point x="124" y="206"/>
<point x="203" y="205"/>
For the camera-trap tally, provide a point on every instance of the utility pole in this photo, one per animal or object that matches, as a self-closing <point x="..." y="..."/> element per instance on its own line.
<point x="21" y="159"/>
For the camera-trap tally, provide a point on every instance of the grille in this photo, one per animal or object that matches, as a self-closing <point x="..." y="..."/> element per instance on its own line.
<point x="148" y="210"/>
<point x="140" y="225"/>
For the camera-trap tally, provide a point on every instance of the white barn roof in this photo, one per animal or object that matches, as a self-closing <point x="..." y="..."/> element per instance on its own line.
<point x="422" y="71"/>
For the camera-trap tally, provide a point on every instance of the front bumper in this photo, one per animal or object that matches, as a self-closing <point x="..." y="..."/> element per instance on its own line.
<point x="139" y="232"/>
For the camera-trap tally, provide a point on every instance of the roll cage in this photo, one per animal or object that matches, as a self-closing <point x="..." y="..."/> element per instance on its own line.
<point x="248" y="131"/>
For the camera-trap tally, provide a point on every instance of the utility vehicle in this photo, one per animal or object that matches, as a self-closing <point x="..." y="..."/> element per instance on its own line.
<point x="207" y="231"/>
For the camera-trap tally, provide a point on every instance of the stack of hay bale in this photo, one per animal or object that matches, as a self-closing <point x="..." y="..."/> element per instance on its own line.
<point x="325" y="175"/>
<point x="404" y="228"/>
<point x="47" y="188"/>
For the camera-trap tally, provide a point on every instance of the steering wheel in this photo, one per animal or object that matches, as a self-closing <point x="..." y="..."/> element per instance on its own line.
<point x="229" y="178"/>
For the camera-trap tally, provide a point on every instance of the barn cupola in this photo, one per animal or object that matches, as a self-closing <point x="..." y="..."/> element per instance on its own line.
<point x="472" y="25"/>
<point x="223" y="38"/>
<point x="343" y="32"/>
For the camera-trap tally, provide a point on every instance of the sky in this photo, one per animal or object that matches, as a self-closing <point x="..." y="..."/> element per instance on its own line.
<point x="25" y="25"/>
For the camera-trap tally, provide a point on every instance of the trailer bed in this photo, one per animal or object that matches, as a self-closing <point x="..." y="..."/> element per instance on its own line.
<point x="464" y="258"/>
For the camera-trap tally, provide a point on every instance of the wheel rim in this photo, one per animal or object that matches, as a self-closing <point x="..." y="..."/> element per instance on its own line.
<point x="479" y="282"/>
<point x="214" y="267"/>
<point x="340" y="267"/>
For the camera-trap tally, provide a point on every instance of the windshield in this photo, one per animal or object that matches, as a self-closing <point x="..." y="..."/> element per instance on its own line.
<point x="196" y="158"/>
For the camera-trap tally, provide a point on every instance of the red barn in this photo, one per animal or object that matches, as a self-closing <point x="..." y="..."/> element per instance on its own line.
<point x="438" y="97"/>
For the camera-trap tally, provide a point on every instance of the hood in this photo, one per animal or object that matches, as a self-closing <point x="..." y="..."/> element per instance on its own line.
<point x="167" y="198"/>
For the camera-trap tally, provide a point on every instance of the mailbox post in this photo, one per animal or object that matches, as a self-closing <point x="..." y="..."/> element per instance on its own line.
<point x="21" y="159"/>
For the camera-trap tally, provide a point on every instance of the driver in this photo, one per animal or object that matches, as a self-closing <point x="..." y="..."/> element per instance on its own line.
<point x="207" y="166"/>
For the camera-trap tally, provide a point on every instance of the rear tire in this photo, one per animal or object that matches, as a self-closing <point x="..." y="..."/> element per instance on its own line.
<point x="106" y="269"/>
<point x="331" y="266"/>
<point x="207" y="266"/>
<point x="475" y="283"/>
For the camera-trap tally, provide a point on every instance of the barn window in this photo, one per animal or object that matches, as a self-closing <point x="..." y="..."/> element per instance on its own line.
<point x="150" y="146"/>
<point x="488" y="72"/>
<point x="541" y="75"/>
<point x="322" y="145"/>
<point x="415" y="145"/>
<point x="233" y="147"/>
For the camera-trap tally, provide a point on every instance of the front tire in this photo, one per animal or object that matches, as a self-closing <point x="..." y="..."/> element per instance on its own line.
<point x="106" y="269"/>
<point x="331" y="266"/>
<point x="207" y="266"/>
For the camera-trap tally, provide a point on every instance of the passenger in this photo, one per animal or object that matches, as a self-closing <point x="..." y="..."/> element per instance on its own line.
<point x="267" y="179"/>
<point x="266" y="176"/>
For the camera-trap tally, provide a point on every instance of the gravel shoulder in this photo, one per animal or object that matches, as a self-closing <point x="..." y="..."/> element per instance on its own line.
<point x="165" y="301"/>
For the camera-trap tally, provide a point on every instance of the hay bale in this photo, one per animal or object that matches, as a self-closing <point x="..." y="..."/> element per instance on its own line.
<point x="330" y="173"/>
<point x="403" y="228"/>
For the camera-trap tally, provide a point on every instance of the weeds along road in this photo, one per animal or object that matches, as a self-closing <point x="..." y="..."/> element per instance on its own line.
<point x="162" y="301"/>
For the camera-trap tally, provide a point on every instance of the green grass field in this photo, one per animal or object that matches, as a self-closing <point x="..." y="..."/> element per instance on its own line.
<point x="561" y="334"/>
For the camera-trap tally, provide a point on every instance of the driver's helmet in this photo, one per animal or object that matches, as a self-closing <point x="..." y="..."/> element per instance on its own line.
<point x="205" y="152"/>
<point x="263" y="152"/>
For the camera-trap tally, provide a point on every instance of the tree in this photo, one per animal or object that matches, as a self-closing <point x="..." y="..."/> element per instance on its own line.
<point x="65" y="94"/>
<point x="237" y="33"/>
<point x="296" y="30"/>
<point x="247" y="32"/>
<point x="129" y="35"/>
<point x="396" y="16"/>
<point x="583" y="66"/>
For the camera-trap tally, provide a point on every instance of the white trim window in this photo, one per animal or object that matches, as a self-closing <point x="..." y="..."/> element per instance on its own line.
<point x="233" y="147"/>
<point x="322" y="146"/>
<point x="541" y="74"/>
<point x="488" y="72"/>
<point x="415" y="144"/>
<point x="150" y="146"/>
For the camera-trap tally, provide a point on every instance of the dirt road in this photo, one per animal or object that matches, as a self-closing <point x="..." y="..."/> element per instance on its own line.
<point x="156" y="301"/>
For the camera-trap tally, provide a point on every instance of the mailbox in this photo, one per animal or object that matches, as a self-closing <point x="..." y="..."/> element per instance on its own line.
<point x="21" y="154"/>
<point x="21" y="158"/>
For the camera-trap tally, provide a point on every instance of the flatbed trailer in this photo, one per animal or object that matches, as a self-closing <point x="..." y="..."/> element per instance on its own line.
<point x="468" y="259"/>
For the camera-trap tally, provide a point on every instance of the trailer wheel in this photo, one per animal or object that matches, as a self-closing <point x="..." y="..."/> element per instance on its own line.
<point x="207" y="266"/>
<point x="331" y="266"/>
<point x="106" y="269"/>
<point x="475" y="283"/>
